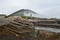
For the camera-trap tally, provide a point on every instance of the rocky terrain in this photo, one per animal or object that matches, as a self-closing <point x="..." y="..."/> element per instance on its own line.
<point x="17" y="28"/>
<point x="46" y="35"/>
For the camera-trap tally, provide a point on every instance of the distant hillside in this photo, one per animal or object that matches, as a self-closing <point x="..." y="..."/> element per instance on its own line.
<point x="26" y="12"/>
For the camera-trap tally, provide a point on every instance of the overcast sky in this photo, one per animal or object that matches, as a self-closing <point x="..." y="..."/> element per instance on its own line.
<point x="48" y="8"/>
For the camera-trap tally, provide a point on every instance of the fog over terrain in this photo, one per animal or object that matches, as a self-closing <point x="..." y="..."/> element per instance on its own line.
<point x="48" y="8"/>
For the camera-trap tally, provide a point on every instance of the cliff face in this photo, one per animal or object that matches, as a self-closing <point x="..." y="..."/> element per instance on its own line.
<point x="16" y="29"/>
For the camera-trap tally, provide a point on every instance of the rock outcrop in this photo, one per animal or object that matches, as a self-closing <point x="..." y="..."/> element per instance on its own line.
<point x="16" y="28"/>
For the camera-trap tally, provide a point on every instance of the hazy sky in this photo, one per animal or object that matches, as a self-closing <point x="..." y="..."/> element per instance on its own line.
<point x="48" y="8"/>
